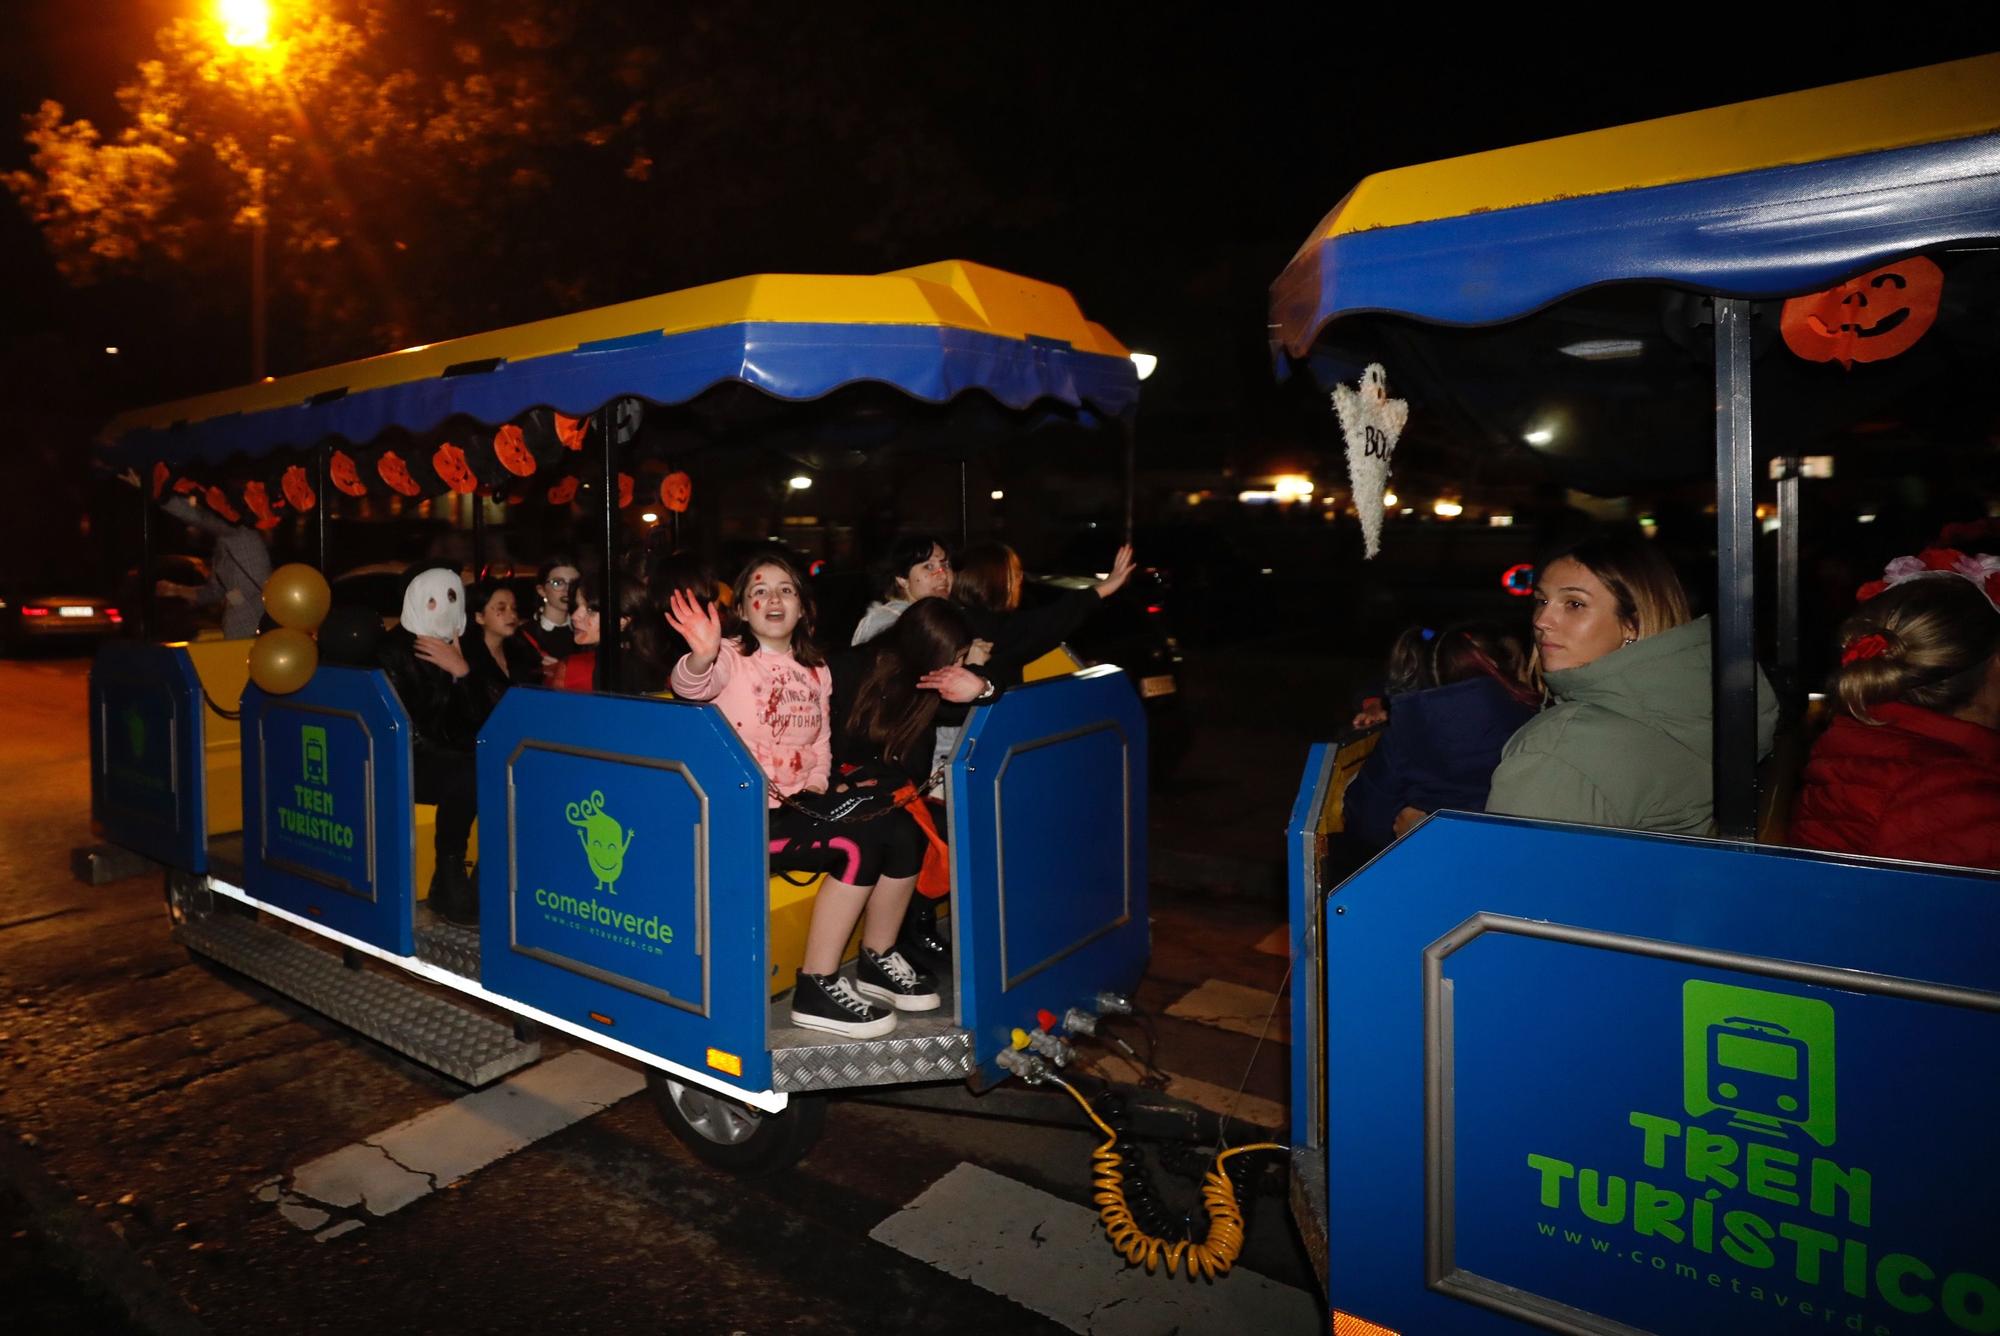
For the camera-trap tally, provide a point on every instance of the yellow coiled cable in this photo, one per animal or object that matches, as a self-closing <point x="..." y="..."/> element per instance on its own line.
<point x="1213" y="1256"/>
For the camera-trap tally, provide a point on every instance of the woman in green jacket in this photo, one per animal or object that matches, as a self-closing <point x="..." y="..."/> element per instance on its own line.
<point x="1627" y="738"/>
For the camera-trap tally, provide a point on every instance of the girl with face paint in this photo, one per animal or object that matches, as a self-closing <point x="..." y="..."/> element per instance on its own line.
<point x="773" y="685"/>
<point x="427" y="665"/>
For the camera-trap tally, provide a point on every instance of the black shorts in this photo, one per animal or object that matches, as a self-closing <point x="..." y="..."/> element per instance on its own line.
<point x="859" y="853"/>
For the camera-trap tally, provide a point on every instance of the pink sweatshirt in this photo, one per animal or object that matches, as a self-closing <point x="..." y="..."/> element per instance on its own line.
<point x="781" y="709"/>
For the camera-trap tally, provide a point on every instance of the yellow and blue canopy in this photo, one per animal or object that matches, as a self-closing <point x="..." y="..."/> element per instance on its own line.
<point x="933" y="332"/>
<point x="1769" y="198"/>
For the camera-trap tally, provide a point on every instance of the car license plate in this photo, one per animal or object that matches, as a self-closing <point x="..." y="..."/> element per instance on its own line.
<point x="1163" y="685"/>
<point x="75" y="610"/>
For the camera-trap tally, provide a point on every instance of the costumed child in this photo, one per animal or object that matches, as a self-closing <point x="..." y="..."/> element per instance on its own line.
<point x="773" y="685"/>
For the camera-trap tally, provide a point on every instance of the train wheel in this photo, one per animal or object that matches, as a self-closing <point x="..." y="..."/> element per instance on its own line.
<point x="734" y="1136"/>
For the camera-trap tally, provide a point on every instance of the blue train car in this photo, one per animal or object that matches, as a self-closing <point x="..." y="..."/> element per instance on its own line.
<point x="1581" y="1079"/>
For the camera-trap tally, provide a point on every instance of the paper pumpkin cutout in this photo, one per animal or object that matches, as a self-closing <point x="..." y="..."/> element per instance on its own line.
<point x="510" y="445"/>
<point x="258" y="500"/>
<point x="160" y="475"/>
<point x="624" y="490"/>
<point x="1371" y="422"/>
<point x="344" y="475"/>
<point x="563" y="492"/>
<point x="218" y="501"/>
<point x="186" y="487"/>
<point x="676" y="490"/>
<point x="452" y="467"/>
<point x="298" y="488"/>
<point x="397" y="474"/>
<point x="1867" y="319"/>
<point x="570" y="431"/>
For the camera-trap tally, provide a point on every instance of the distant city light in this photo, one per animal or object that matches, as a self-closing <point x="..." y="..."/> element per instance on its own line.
<point x="798" y="482"/>
<point x="1500" y="521"/>
<point x="111" y="350"/>
<point x="244" y="22"/>
<point x="1447" y="509"/>
<point x="1145" y="364"/>
<point x="1292" y="485"/>
<point x="1867" y="517"/>
<point x="1539" y="436"/>
<point x="1390" y="500"/>
<point x="998" y="494"/>
<point x="651" y="517"/>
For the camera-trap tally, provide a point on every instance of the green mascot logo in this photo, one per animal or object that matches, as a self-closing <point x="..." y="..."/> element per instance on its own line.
<point x="135" y="733"/>
<point x="601" y="844"/>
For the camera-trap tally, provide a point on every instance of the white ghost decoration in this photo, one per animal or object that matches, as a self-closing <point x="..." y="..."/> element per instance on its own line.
<point x="434" y="605"/>
<point x="1371" y="421"/>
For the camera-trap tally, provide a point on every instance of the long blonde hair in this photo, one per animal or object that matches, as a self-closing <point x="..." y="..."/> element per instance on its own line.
<point x="1925" y="642"/>
<point x="1641" y="582"/>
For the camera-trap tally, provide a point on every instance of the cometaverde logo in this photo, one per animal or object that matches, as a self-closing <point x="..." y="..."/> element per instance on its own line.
<point x="1766" y="1058"/>
<point x="135" y="731"/>
<point x="601" y="844"/>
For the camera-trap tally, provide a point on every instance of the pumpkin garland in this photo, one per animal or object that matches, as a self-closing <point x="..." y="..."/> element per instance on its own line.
<point x="1870" y="318"/>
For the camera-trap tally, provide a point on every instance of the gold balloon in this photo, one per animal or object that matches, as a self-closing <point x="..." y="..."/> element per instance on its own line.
<point x="283" y="660"/>
<point x="297" y="596"/>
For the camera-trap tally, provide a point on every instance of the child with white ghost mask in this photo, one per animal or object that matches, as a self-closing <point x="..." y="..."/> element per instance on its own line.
<point x="434" y="612"/>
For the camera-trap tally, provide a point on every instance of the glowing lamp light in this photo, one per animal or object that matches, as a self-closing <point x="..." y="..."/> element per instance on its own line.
<point x="1539" y="436"/>
<point x="1291" y="486"/>
<point x="111" y="350"/>
<point x="998" y="494"/>
<point x="1390" y="500"/>
<point x="244" y="22"/>
<point x="1447" y="509"/>
<point x="1145" y="364"/>
<point x="651" y="517"/>
<point x="798" y="482"/>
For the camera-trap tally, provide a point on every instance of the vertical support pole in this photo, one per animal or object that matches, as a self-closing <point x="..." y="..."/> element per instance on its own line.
<point x="964" y="515"/>
<point x="1790" y="687"/>
<point x="1734" y="646"/>
<point x="478" y="535"/>
<point x="149" y="617"/>
<point x="322" y="507"/>
<point x="1129" y="437"/>
<point x="607" y="636"/>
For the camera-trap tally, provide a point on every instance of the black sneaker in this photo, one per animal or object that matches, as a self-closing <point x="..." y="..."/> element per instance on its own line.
<point x="920" y="940"/>
<point x="454" y="896"/>
<point x="892" y="979"/>
<point x="829" y="1002"/>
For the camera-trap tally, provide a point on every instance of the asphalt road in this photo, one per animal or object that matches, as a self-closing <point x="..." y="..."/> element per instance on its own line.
<point x="149" y="1102"/>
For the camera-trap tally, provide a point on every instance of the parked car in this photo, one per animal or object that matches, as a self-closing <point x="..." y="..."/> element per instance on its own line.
<point x="31" y="615"/>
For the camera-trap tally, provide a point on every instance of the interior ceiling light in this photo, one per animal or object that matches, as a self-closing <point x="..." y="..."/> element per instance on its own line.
<point x="1539" y="436"/>
<point x="1604" y="350"/>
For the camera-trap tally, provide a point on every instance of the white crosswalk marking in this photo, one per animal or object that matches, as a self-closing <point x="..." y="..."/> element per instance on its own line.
<point x="1234" y="1007"/>
<point x="1050" y="1255"/>
<point x="401" y="1164"/>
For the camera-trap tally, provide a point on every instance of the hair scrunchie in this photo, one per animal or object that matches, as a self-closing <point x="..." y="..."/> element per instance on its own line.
<point x="1864" y="647"/>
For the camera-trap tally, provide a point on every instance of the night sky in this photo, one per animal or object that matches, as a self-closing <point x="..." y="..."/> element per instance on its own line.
<point x="1162" y="161"/>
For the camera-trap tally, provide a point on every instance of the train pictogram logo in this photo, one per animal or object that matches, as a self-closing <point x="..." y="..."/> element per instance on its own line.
<point x="1765" y="1058"/>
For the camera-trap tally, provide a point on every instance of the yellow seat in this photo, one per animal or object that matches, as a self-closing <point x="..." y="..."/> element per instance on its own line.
<point x="1058" y="662"/>
<point x="1347" y="760"/>
<point x="223" y="666"/>
<point x="791" y="916"/>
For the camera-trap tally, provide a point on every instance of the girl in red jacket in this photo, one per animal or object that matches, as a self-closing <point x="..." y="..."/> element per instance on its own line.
<point x="1910" y="767"/>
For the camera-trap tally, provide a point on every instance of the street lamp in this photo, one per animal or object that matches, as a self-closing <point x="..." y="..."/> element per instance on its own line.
<point x="246" y="25"/>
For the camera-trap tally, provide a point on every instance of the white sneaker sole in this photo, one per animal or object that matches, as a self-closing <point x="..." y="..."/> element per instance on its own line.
<point x="875" y="992"/>
<point x="847" y="1029"/>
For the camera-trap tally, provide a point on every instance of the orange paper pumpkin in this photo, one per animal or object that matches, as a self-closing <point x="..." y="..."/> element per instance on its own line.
<point x="624" y="490"/>
<point x="298" y="488"/>
<point x="449" y="461"/>
<point x="676" y="489"/>
<point x="563" y="492"/>
<point x="258" y="499"/>
<point x="570" y="431"/>
<point x="218" y="501"/>
<point x="510" y="446"/>
<point x="345" y="475"/>
<point x="160" y="475"/>
<point x="1867" y="319"/>
<point x="186" y="487"/>
<point x="397" y="474"/>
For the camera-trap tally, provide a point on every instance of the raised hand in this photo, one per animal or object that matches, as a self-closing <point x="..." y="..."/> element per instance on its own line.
<point x="443" y="653"/>
<point x="698" y="623"/>
<point x="1121" y="570"/>
<point x="956" y="683"/>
